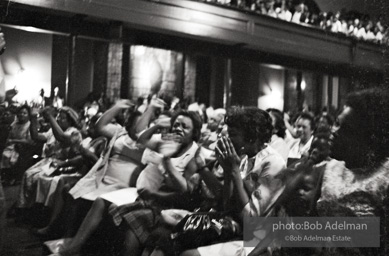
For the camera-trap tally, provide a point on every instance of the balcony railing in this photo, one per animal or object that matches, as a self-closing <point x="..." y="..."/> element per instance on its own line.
<point x="224" y="26"/>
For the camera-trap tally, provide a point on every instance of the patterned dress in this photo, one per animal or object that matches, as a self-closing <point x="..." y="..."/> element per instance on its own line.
<point x="359" y="193"/>
<point x="52" y="150"/>
<point x="48" y="184"/>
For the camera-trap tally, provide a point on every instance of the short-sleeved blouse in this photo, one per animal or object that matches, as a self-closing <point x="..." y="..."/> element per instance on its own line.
<point x="121" y="165"/>
<point x="56" y="149"/>
<point x="268" y="164"/>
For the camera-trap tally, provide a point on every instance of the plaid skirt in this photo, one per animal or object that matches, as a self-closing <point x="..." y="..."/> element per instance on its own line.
<point x="139" y="216"/>
<point x="143" y="216"/>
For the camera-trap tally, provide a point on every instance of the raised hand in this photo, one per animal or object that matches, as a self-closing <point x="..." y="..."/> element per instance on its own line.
<point x="34" y="112"/>
<point x="286" y="117"/>
<point x="124" y="104"/>
<point x="156" y="103"/>
<point x="48" y="112"/>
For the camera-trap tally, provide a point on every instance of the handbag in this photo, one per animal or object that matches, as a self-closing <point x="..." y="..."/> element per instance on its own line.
<point x="172" y="217"/>
<point x="201" y="229"/>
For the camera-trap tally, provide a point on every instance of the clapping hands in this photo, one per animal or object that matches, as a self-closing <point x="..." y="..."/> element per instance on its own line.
<point x="199" y="159"/>
<point x="168" y="148"/>
<point x="227" y="156"/>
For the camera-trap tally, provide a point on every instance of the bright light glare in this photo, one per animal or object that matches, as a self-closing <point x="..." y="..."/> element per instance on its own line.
<point x="303" y="85"/>
<point x="272" y="100"/>
<point x="276" y="94"/>
<point x="28" y="84"/>
<point x="139" y="50"/>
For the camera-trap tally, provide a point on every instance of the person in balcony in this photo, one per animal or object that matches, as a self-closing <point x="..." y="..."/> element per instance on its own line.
<point x="336" y="25"/>
<point x="284" y="13"/>
<point x="270" y="9"/>
<point x="378" y="34"/>
<point x="350" y="27"/>
<point x="357" y="26"/>
<point x="300" y="13"/>
<point x="322" y="20"/>
<point x="385" y="38"/>
<point x="260" y="7"/>
<point x="370" y="36"/>
<point x="329" y="21"/>
<point x="344" y="26"/>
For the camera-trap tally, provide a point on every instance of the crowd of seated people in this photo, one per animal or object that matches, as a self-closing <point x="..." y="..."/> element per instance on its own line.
<point x="119" y="181"/>
<point x="349" y="23"/>
<point x="130" y="178"/>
